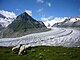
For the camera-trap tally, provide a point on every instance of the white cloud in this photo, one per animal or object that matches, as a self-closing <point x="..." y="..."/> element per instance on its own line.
<point x="47" y="18"/>
<point x="50" y="17"/>
<point x="40" y="10"/>
<point x="29" y="12"/>
<point x="44" y="19"/>
<point x="8" y="14"/>
<point x="17" y="9"/>
<point x="54" y="20"/>
<point x="49" y="4"/>
<point x="40" y="1"/>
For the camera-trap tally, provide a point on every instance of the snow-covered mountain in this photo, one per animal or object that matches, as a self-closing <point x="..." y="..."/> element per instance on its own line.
<point x="6" y="21"/>
<point x="23" y="24"/>
<point x="6" y="18"/>
<point x="69" y="22"/>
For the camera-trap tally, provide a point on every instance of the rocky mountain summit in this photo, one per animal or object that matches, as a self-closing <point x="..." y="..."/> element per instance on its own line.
<point x="69" y="22"/>
<point x="24" y="22"/>
<point x="5" y="21"/>
<point x="23" y="25"/>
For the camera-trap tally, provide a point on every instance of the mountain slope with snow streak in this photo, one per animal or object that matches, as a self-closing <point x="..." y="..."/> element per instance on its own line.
<point x="6" y="17"/>
<point x="69" y="22"/>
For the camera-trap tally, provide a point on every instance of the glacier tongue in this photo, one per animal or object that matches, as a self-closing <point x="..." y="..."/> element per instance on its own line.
<point x="55" y="37"/>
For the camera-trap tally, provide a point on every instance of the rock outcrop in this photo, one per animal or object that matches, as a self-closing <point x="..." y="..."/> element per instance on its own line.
<point x="69" y="22"/>
<point x="20" y="49"/>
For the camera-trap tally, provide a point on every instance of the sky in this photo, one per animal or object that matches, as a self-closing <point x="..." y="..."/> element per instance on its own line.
<point x="43" y="10"/>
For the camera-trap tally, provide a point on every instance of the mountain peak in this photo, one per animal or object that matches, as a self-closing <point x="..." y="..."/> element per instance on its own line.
<point x="2" y="16"/>
<point x="24" y="24"/>
<point x="25" y="21"/>
<point x="70" y="22"/>
<point x="24" y="13"/>
<point x="24" y="16"/>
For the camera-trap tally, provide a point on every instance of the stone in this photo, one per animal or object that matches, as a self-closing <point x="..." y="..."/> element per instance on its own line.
<point x="16" y="48"/>
<point x="20" y="49"/>
<point x="23" y="48"/>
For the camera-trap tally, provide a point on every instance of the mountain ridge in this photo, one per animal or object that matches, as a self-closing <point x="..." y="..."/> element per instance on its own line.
<point x="69" y="22"/>
<point x="25" y="21"/>
<point x="23" y="25"/>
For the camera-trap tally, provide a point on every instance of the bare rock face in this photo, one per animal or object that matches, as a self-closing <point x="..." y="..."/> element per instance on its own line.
<point x="23" y="25"/>
<point x="69" y="22"/>
<point x="20" y="49"/>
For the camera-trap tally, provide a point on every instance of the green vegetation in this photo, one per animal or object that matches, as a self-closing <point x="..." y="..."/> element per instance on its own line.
<point x="42" y="53"/>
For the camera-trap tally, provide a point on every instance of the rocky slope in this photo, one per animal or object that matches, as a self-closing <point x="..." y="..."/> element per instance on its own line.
<point x="69" y="22"/>
<point x="24" y="21"/>
<point x="22" y="25"/>
<point x="5" y="21"/>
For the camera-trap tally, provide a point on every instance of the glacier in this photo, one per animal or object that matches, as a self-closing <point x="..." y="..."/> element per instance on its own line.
<point x="68" y="37"/>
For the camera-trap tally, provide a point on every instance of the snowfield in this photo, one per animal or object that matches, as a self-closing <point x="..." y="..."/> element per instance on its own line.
<point x="56" y="37"/>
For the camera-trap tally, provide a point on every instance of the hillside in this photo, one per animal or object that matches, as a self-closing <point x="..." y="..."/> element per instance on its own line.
<point x="22" y="25"/>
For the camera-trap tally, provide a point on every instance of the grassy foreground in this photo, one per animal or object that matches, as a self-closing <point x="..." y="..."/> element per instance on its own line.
<point x="42" y="53"/>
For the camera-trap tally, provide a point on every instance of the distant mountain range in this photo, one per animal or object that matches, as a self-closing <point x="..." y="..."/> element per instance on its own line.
<point x="23" y="25"/>
<point x="5" y="21"/>
<point x="69" y="22"/>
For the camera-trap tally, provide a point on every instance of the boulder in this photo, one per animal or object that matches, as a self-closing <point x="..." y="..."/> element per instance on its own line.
<point x="20" y="49"/>
<point x="16" y="48"/>
<point x="23" y="48"/>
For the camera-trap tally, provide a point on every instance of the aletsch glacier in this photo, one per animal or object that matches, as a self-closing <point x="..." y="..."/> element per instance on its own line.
<point x="55" y="37"/>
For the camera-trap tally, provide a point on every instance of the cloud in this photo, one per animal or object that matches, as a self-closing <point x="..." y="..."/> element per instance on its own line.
<point x="54" y="20"/>
<point x="40" y="10"/>
<point x="29" y="12"/>
<point x="47" y="18"/>
<point x="50" y="17"/>
<point x="44" y="19"/>
<point x="8" y="14"/>
<point x="40" y="1"/>
<point x="49" y="4"/>
<point x="17" y="9"/>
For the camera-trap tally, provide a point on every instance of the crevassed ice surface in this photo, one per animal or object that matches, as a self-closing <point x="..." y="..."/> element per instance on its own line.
<point x="55" y="37"/>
